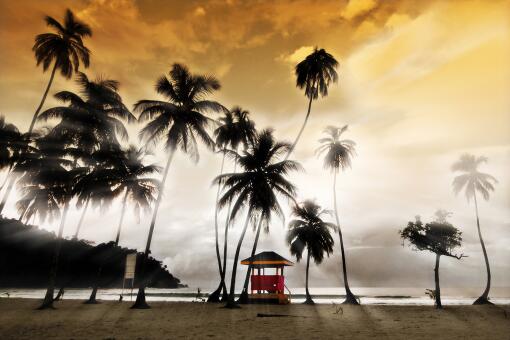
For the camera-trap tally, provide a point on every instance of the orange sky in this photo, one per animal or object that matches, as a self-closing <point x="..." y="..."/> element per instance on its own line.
<point x="420" y="83"/>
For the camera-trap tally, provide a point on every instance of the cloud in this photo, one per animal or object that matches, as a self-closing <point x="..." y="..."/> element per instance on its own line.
<point x="356" y="8"/>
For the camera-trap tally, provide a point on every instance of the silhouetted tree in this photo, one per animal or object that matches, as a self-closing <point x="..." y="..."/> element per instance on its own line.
<point x="472" y="181"/>
<point x="64" y="49"/>
<point x="179" y="120"/>
<point x="256" y="188"/>
<point x="12" y="143"/>
<point x="338" y="155"/>
<point x="91" y="123"/>
<point x="47" y="184"/>
<point x="308" y="231"/>
<point x="13" y="146"/>
<point x="314" y="74"/>
<point x="235" y="129"/>
<point x="439" y="237"/>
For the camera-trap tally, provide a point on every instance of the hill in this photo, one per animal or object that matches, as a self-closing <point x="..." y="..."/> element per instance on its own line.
<point x="26" y="252"/>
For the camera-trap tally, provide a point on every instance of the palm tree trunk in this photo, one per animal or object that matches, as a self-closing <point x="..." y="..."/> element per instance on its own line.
<point x="309" y="300"/>
<point x="92" y="298"/>
<point x="349" y="296"/>
<point x="215" y="296"/>
<point x="48" y="298"/>
<point x="124" y="201"/>
<point x="225" y="247"/>
<point x="7" y="192"/>
<point x="140" y="302"/>
<point x="34" y="118"/>
<point x="231" y="303"/>
<point x="436" y="279"/>
<point x="301" y="130"/>
<point x="243" y="299"/>
<point x="78" y="227"/>
<point x="484" y="298"/>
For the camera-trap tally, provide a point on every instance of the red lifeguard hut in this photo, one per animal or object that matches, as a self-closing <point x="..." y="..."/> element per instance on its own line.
<point x="268" y="288"/>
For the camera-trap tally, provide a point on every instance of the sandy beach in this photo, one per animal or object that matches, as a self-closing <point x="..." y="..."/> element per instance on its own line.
<point x="171" y="320"/>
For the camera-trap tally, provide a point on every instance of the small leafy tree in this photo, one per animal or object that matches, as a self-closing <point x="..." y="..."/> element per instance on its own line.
<point x="439" y="237"/>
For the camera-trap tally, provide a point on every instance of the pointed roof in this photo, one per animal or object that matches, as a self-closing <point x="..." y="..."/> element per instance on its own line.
<point x="267" y="259"/>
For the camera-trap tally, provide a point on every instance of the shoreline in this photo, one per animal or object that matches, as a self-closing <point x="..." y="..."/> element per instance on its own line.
<point x="165" y="320"/>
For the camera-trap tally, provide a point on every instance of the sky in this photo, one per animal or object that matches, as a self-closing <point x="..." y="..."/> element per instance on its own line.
<point x="420" y="83"/>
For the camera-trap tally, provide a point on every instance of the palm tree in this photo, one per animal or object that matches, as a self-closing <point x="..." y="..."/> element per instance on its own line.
<point x="91" y="121"/>
<point x="472" y="181"/>
<point x="338" y="157"/>
<point x="257" y="187"/>
<point x="235" y="129"/>
<point x="125" y="177"/>
<point x="47" y="182"/>
<point x="314" y="74"/>
<point x="309" y="231"/>
<point x="64" y="49"/>
<point x="13" y="146"/>
<point x="180" y="120"/>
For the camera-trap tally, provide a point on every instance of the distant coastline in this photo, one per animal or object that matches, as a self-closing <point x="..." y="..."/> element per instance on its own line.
<point x="26" y="253"/>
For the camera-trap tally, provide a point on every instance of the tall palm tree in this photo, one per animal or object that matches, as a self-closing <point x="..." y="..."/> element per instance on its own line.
<point x="472" y="181"/>
<point x="338" y="155"/>
<point x="235" y="129"/>
<point x="64" y="49"/>
<point x="91" y="121"/>
<point x="309" y="231"/>
<point x="314" y="74"/>
<point x="180" y="120"/>
<point x="126" y="177"/>
<point x="257" y="188"/>
<point x="47" y="183"/>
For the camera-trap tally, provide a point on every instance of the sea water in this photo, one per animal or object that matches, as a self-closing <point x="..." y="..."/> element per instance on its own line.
<point x="367" y="295"/>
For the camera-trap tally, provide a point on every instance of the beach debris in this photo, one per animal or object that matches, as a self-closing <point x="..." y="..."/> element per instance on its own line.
<point x="337" y="308"/>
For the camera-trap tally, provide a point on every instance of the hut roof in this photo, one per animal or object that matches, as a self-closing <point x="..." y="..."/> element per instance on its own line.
<point x="267" y="259"/>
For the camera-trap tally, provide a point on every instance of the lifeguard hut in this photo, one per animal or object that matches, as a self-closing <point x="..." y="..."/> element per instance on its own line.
<point x="265" y="287"/>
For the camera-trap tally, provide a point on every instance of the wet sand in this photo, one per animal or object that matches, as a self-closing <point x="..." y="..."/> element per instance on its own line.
<point x="183" y="320"/>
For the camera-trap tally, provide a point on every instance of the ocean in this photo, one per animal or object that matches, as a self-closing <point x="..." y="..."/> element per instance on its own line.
<point x="367" y="295"/>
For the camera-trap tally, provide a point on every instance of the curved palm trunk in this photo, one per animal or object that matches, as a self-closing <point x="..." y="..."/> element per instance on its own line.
<point x="243" y="299"/>
<point x="78" y="227"/>
<point x="349" y="296"/>
<point x="231" y="303"/>
<point x="301" y="130"/>
<point x="48" y="298"/>
<point x="215" y="296"/>
<point x="224" y="298"/>
<point x="140" y="302"/>
<point x="34" y="118"/>
<point x="309" y="300"/>
<point x="484" y="298"/>
<point x="122" y="213"/>
<point x="436" y="279"/>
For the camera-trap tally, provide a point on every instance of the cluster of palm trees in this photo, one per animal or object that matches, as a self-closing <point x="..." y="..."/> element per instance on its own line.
<point x="81" y="159"/>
